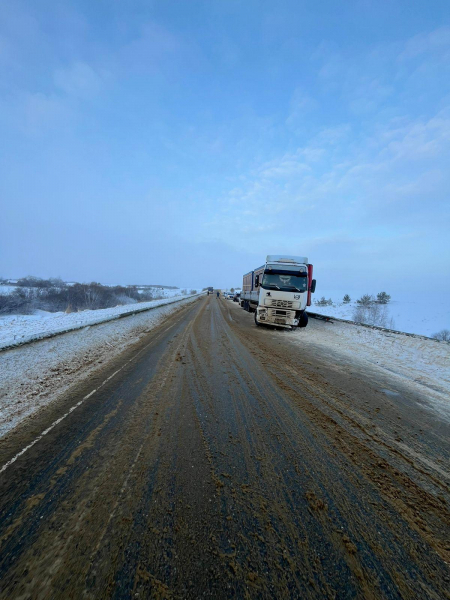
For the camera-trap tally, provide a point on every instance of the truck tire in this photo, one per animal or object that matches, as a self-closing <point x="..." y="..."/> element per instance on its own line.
<point x="256" y="322"/>
<point x="303" y="321"/>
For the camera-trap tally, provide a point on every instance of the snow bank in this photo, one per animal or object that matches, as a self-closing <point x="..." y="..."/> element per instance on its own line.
<point x="16" y="330"/>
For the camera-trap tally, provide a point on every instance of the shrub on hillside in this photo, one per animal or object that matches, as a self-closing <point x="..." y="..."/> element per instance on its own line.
<point x="366" y="300"/>
<point x="324" y="302"/>
<point x="443" y="335"/>
<point x="383" y="298"/>
<point x="53" y="295"/>
<point x="347" y="299"/>
<point x="373" y="314"/>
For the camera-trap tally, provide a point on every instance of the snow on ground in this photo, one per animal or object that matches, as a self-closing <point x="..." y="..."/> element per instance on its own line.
<point x="18" y="329"/>
<point x="33" y="375"/>
<point x="420" y="364"/>
<point x="164" y="292"/>
<point x="409" y="313"/>
<point x="5" y="290"/>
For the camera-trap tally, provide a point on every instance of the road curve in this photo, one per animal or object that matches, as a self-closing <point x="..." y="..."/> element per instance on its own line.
<point x="217" y="460"/>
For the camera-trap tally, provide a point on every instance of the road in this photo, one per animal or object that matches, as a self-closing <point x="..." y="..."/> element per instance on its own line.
<point x="217" y="460"/>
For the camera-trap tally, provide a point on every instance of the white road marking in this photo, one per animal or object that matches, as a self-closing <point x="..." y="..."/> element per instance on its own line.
<point x="58" y="421"/>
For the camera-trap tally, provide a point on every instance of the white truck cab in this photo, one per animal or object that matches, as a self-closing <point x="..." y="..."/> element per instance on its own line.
<point x="279" y="291"/>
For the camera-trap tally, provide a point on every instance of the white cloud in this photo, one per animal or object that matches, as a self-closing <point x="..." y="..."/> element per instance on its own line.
<point x="388" y="74"/>
<point x="301" y="104"/>
<point x="79" y="80"/>
<point x="36" y="113"/>
<point x="151" y="50"/>
<point x="437" y="41"/>
<point x="379" y="184"/>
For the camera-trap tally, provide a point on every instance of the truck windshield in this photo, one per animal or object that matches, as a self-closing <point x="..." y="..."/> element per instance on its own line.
<point x="287" y="282"/>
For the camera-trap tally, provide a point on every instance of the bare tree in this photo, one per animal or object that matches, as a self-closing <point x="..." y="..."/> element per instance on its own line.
<point x="374" y="314"/>
<point x="443" y="335"/>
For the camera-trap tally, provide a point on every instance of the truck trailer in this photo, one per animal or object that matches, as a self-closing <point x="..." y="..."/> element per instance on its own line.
<point x="279" y="291"/>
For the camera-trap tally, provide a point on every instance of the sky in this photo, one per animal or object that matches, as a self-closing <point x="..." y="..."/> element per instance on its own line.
<point x="179" y="142"/>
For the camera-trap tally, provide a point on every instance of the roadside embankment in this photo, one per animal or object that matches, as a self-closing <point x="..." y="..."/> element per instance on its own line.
<point x="321" y="316"/>
<point x="405" y="359"/>
<point x="19" y="329"/>
<point x="33" y="375"/>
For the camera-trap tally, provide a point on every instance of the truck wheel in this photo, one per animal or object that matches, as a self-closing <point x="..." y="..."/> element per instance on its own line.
<point x="303" y="322"/>
<point x="256" y="322"/>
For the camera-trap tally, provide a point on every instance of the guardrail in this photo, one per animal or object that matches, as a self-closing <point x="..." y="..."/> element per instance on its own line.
<point x="330" y="319"/>
<point x="101" y="319"/>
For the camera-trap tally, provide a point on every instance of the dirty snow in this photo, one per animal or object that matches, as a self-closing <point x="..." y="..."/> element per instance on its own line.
<point x="33" y="375"/>
<point x="19" y="329"/>
<point x="422" y="365"/>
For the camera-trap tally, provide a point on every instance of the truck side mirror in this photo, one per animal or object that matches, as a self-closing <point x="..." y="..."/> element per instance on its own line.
<point x="256" y="280"/>
<point x="313" y="286"/>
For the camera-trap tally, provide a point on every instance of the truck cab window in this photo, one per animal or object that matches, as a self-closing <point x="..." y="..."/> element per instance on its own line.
<point x="286" y="282"/>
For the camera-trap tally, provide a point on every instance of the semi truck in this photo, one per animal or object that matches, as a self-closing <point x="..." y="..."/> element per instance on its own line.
<point x="279" y="291"/>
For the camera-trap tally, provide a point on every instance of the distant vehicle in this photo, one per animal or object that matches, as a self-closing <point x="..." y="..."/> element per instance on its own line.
<point x="210" y="290"/>
<point x="279" y="291"/>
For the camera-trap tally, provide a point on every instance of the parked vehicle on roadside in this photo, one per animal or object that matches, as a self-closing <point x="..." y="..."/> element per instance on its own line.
<point x="279" y="291"/>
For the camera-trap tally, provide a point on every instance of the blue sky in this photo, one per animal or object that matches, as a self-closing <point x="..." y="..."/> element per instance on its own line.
<point x="179" y="142"/>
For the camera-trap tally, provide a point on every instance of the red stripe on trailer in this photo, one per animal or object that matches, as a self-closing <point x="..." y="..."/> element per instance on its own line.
<point x="310" y="278"/>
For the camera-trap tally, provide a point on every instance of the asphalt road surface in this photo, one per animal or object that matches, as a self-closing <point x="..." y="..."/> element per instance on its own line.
<point x="217" y="460"/>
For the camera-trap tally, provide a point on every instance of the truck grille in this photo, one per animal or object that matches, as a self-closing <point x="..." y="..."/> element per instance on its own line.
<point x="282" y="303"/>
<point x="287" y="314"/>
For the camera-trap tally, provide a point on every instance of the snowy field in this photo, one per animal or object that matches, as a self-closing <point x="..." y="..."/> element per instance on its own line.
<point x="7" y="289"/>
<point x="19" y="329"/>
<point x="404" y="312"/>
<point x="165" y="292"/>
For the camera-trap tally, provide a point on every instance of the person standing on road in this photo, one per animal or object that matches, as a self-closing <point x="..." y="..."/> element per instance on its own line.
<point x="218" y="294"/>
